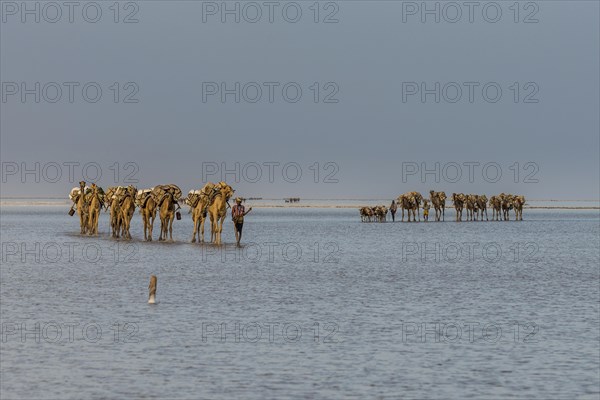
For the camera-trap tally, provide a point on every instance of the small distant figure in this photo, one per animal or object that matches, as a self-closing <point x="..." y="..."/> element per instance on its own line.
<point x="152" y="290"/>
<point x="426" y="208"/>
<point x="238" y="212"/>
<point x="393" y="208"/>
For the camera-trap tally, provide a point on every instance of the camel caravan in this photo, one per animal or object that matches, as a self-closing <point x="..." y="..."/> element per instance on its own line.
<point x="121" y="202"/>
<point x="373" y="214"/>
<point x="475" y="205"/>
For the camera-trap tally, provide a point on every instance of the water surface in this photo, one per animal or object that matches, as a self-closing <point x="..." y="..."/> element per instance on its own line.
<point x="315" y="304"/>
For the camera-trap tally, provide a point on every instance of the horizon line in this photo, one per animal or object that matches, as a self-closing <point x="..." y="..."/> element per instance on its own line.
<point x="281" y="198"/>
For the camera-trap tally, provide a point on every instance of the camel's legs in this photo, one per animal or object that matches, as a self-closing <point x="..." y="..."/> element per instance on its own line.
<point x="220" y="228"/>
<point x="150" y="226"/>
<point x="145" y="227"/>
<point x="202" y="228"/>
<point x="162" y="228"/>
<point x="82" y="223"/>
<point x="127" y="223"/>
<point x="195" y="230"/>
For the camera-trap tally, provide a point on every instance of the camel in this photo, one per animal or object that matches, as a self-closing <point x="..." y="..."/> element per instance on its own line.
<point x="518" y="202"/>
<point x="379" y="212"/>
<point x="507" y="205"/>
<point x="442" y="199"/>
<point x="496" y="206"/>
<point x="82" y="208"/>
<point x="471" y="206"/>
<point x="167" y="215"/>
<point x="363" y="214"/>
<point x="383" y="210"/>
<point x="366" y="214"/>
<point x="438" y="199"/>
<point x="418" y="198"/>
<point x="95" y="203"/>
<point x="199" y="200"/>
<point x="115" y="216"/>
<point x="459" y="201"/>
<point x="126" y="210"/>
<point x="198" y="203"/>
<point x="408" y="202"/>
<point x="482" y="206"/>
<point x="148" y="211"/>
<point x="218" y="210"/>
<point x="113" y="194"/>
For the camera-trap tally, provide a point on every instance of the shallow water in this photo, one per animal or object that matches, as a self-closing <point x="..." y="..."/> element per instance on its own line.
<point x="315" y="304"/>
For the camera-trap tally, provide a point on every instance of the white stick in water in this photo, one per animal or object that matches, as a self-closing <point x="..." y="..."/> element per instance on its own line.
<point x="152" y="290"/>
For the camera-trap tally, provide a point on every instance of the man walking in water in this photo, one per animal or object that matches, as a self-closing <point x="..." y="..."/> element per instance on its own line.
<point x="237" y="215"/>
<point x="393" y="208"/>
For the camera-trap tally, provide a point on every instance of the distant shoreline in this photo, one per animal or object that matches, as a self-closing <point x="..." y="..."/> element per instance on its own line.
<point x="63" y="199"/>
<point x="30" y="202"/>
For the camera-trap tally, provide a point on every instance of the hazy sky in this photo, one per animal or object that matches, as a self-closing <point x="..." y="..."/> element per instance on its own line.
<point x="368" y="125"/>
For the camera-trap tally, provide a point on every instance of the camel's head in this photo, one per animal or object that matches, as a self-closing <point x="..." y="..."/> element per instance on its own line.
<point x="226" y="190"/>
<point x="82" y="184"/>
